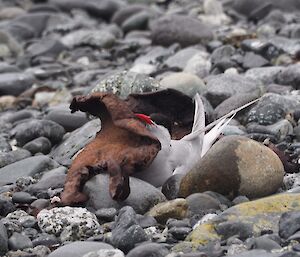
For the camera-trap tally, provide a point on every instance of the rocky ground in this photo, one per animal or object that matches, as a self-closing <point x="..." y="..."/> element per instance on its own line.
<point x="240" y="200"/>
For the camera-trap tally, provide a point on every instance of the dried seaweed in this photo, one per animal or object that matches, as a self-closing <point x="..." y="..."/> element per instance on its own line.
<point x="122" y="147"/>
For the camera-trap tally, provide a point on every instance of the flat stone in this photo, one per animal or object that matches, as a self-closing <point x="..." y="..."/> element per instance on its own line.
<point x="75" y="141"/>
<point x="26" y="167"/>
<point x="181" y="29"/>
<point x="148" y="249"/>
<point x="143" y="196"/>
<point x="13" y="156"/>
<point x="15" y="83"/>
<point x="63" y="116"/>
<point x="79" y="248"/>
<point x="102" y="9"/>
<point x="32" y="129"/>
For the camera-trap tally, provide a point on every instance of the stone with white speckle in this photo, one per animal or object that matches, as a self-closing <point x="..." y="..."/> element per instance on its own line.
<point x="69" y="223"/>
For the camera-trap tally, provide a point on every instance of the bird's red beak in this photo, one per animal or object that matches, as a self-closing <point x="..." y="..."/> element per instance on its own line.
<point x="144" y="118"/>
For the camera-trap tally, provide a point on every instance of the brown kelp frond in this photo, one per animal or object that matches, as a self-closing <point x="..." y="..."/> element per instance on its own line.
<point x="122" y="147"/>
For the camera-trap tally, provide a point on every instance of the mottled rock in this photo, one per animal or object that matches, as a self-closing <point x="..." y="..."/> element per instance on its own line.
<point x="26" y="167"/>
<point x="186" y="83"/>
<point x="32" y="129"/>
<point x="15" y="83"/>
<point x="235" y="165"/>
<point x="143" y="196"/>
<point x="271" y="108"/>
<point x="79" y="248"/>
<point x="125" y="83"/>
<point x="176" y="209"/>
<point x="181" y="29"/>
<point x="13" y="156"/>
<point x="70" y="224"/>
<point x="220" y="87"/>
<point x="266" y="75"/>
<point x="261" y="215"/>
<point x="126" y="232"/>
<point x="252" y="60"/>
<point x="148" y="249"/>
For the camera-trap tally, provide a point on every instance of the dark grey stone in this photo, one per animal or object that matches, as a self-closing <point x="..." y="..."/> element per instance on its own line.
<point x="38" y="145"/>
<point x="4" y="144"/>
<point x="106" y="214"/>
<point x="46" y="47"/>
<point x="22" y="198"/>
<point x="78" y="139"/>
<point x="264" y="243"/>
<point x="127" y="11"/>
<point x="171" y="187"/>
<point x="24" y="168"/>
<point x="200" y="202"/>
<point x="290" y="76"/>
<point x="148" y="249"/>
<point x="220" y="87"/>
<point x="63" y="116"/>
<point x="6" y="206"/>
<point x="13" y="156"/>
<point x="15" y="83"/>
<point x="231" y="228"/>
<point x="126" y="232"/>
<point x="180" y="233"/>
<point x="143" y="196"/>
<point x="289" y="223"/>
<point x="45" y="239"/>
<point x="3" y="239"/>
<point x="184" y="30"/>
<point x="19" y="241"/>
<point x="32" y="129"/>
<point x="252" y="60"/>
<point x="101" y="9"/>
<point x="52" y="179"/>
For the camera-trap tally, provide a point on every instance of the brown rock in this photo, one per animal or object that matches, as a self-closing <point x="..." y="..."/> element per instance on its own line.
<point x="176" y="209"/>
<point x="235" y="165"/>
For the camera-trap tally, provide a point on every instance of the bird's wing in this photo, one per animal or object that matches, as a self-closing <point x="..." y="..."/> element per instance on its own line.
<point x="199" y="121"/>
<point x="214" y="123"/>
<point x="213" y="134"/>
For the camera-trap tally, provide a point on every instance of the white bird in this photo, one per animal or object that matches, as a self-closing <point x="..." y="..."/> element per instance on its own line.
<point x="179" y="156"/>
